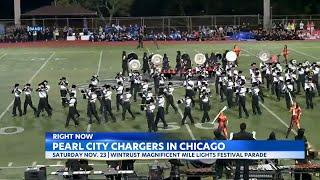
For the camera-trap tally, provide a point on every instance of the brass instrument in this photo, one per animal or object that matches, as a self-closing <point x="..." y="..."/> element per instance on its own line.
<point x="264" y="56"/>
<point x="231" y="56"/>
<point x="199" y="59"/>
<point x="134" y="65"/>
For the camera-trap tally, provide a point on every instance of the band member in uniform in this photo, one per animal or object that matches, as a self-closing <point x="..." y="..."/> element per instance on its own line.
<point x="63" y="85"/>
<point x="161" y="84"/>
<point x="74" y="91"/>
<point x="72" y="111"/>
<point x="156" y="80"/>
<point x="119" y="91"/>
<point x="309" y="89"/>
<point x="165" y="62"/>
<point x="269" y="77"/>
<point x="255" y="99"/>
<point x="223" y="122"/>
<point x="125" y="68"/>
<point x="95" y="80"/>
<point x="47" y="88"/>
<point x="229" y="92"/>
<point x="241" y="91"/>
<point x="106" y="99"/>
<point x="276" y="84"/>
<point x="119" y="77"/>
<point x="91" y="108"/>
<point x="187" y="109"/>
<point x="150" y="116"/>
<point x="160" y="113"/>
<point x="223" y="85"/>
<point x="126" y="104"/>
<point x="17" y="101"/>
<point x="288" y="91"/>
<point x="205" y="104"/>
<point x="144" y="93"/>
<point x="28" y="100"/>
<point x="145" y="64"/>
<point x="169" y="98"/>
<point x="178" y="63"/>
<point x="263" y="67"/>
<point x="296" y="113"/>
<point x="285" y="53"/>
<point x="140" y="39"/>
<point x="137" y="78"/>
<point x="301" y="78"/>
<point x="217" y="78"/>
<point x="189" y="85"/>
<point x="43" y="100"/>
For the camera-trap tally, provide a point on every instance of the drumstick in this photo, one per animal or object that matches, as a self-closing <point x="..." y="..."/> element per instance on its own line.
<point x="223" y="109"/>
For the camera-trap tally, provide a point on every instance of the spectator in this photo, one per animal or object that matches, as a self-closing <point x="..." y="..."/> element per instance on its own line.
<point x="300" y="175"/>
<point x="220" y="163"/>
<point x="242" y="135"/>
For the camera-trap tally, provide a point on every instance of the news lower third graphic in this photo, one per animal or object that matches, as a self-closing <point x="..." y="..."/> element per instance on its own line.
<point x="121" y="146"/>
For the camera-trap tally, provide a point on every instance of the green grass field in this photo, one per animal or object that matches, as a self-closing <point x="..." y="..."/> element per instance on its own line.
<point x="79" y="63"/>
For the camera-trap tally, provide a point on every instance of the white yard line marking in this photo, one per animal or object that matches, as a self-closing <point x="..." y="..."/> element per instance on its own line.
<point x="43" y="65"/>
<point x="189" y="131"/>
<point x="99" y="65"/>
<point x="76" y="52"/>
<point x="34" y="163"/>
<point x="10" y="164"/>
<point x="34" y="75"/>
<point x="98" y="71"/>
<point x="277" y="117"/>
<point x="187" y="125"/>
<point x="3" y="55"/>
<point x="307" y="55"/>
<point x="88" y="127"/>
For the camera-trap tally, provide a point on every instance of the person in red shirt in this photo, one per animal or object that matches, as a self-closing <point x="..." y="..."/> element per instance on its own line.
<point x="223" y="122"/>
<point x="237" y="50"/>
<point x="285" y="53"/>
<point x="295" y="117"/>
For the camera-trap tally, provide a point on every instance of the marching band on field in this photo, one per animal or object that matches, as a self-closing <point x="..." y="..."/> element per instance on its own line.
<point x="220" y="70"/>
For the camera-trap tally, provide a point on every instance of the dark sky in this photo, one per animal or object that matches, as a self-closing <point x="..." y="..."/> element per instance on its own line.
<point x="190" y="7"/>
<point x="6" y="7"/>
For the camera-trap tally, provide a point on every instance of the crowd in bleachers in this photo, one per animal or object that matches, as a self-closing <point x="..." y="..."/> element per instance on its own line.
<point x="286" y="31"/>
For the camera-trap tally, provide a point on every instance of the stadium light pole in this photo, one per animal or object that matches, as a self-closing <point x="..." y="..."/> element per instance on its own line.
<point x="17" y="12"/>
<point x="266" y="14"/>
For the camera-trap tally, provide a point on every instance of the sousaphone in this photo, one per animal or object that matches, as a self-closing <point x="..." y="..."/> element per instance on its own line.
<point x="134" y="65"/>
<point x="231" y="56"/>
<point x="264" y="56"/>
<point x="157" y="60"/>
<point x="199" y="59"/>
